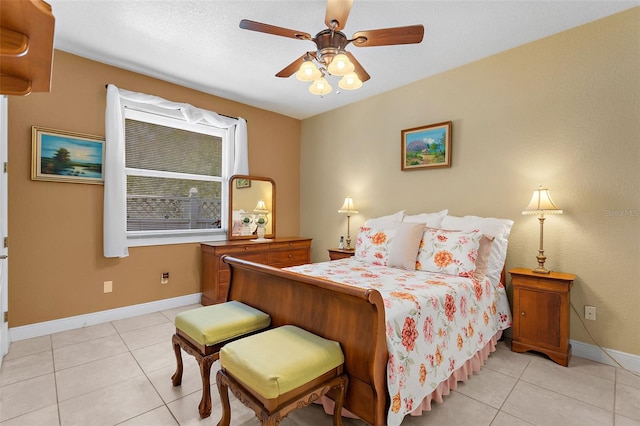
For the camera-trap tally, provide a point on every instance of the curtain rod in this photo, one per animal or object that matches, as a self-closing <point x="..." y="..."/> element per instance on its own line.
<point x="224" y="115"/>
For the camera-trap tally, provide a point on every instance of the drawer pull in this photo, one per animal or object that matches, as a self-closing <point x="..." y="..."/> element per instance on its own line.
<point x="522" y="313"/>
<point x="290" y="256"/>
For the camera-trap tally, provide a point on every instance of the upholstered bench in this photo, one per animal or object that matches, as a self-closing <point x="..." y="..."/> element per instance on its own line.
<point x="281" y="369"/>
<point x="201" y="332"/>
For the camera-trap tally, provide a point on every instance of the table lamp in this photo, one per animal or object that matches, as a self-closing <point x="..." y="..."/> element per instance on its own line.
<point x="349" y="209"/>
<point x="541" y="204"/>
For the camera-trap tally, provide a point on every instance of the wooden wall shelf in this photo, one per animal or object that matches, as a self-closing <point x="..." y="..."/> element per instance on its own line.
<point x="26" y="47"/>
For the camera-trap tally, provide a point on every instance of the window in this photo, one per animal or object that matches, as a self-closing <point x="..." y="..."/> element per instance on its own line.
<point x="174" y="177"/>
<point x="166" y="170"/>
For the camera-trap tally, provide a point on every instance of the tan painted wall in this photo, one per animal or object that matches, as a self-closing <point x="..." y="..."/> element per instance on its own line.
<point x="563" y="112"/>
<point x="56" y="267"/>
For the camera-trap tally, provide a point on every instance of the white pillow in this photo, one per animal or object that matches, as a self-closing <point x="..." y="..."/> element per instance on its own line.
<point x="498" y="228"/>
<point x="405" y="245"/>
<point x="389" y="221"/>
<point x="432" y="220"/>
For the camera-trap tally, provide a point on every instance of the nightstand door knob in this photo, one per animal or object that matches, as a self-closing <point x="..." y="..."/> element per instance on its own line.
<point x="522" y="313"/>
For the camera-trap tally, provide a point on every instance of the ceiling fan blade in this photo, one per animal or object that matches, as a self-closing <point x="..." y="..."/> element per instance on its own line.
<point x="362" y="74"/>
<point x="246" y="24"/>
<point x="338" y="11"/>
<point x="388" y="36"/>
<point x="293" y="67"/>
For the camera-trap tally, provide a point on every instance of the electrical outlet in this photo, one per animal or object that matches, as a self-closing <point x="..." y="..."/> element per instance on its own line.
<point x="164" y="278"/>
<point x="590" y="313"/>
<point x="108" y="286"/>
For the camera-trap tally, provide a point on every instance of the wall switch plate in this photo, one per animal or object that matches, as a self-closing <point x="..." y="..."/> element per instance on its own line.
<point x="590" y="313"/>
<point x="108" y="286"/>
<point x="164" y="278"/>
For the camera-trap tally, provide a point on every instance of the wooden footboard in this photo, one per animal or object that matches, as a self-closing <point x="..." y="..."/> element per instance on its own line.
<point x="350" y="315"/>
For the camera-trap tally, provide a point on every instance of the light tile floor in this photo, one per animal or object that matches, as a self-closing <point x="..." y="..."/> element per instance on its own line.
<point x="118" y="373"/>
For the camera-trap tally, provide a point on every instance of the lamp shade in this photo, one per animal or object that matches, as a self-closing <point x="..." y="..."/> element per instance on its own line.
<point x="541" y="203"/>
<point x="340" y="65"/>
<point x="320" y="87"/>
<point x="350" y="82"/>
<point x="261" y="207"/>
<point x="348" y="207"/>
<point x="308" y="71"/>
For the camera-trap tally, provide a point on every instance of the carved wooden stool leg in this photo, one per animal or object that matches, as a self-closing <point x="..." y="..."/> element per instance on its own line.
<point x="205" y="370"/>
<point x="223" y="389"/>
<point x="272" y="420"/>
<point x="339" y="400"/>
<point x="176" y="379"/>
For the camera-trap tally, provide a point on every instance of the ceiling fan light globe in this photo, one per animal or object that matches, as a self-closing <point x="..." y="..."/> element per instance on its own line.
<point x="320" y="87"/>
<point x="308" y="72"/>
<point x="350" y="82"/>
<point x="340" y="65"/>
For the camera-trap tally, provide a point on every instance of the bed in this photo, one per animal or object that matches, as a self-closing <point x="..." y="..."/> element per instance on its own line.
<point x="419" y="306"/>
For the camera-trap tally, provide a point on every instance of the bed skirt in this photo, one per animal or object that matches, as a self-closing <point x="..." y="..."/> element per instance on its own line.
<point x="461" y="374"/>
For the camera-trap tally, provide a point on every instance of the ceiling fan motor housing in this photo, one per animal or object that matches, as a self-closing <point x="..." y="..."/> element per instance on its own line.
<point x="330" y="43"/>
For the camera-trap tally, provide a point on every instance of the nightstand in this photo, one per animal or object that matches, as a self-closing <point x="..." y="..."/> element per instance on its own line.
<point x="336" y="253"/>
<point x="541" y="305"/>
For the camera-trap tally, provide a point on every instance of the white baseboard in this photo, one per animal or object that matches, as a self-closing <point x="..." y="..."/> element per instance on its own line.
<point x="595" y="353"/>
<point x="79" y="321"/>
<point x="581" y="349"/>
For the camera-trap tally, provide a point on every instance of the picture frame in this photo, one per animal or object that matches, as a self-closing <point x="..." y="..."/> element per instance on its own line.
<point x="243" y="183"/>
<point x="426" y="147"/>
<point x="61" y="156"/>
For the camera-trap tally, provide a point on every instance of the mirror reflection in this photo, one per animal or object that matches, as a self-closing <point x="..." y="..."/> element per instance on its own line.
<point x="252" y="207"/>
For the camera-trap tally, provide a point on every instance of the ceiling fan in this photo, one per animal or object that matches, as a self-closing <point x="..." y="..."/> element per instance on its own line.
<point x="331" y="42"/>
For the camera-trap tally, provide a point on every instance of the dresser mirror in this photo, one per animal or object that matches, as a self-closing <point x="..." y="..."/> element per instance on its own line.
<point x="252" y="208"/>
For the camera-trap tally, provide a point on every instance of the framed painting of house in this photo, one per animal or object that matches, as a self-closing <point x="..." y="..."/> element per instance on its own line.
<point x="426" y="147"/>
<point x="66" y="157"/>
<point x="243" y="183"/>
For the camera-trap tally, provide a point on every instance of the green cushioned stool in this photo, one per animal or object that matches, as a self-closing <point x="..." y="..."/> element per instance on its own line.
<point x="202" y="332"/>
<point x="278" y="370"/>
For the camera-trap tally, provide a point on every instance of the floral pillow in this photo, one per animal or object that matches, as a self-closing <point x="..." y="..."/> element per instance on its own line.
<point x="499" y="228"/>
<point x="373" y="245"/>
<point x="449" y="252"/>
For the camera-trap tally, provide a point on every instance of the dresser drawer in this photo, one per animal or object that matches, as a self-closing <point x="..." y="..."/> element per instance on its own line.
<point x="252" y="256"/>
<point x="283" y="245"/>
<point x="292" y="257"/>
<point x="243" y="248"/>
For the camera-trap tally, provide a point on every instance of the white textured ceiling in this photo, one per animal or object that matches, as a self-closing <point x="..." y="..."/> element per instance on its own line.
<point x="199" y="44"/>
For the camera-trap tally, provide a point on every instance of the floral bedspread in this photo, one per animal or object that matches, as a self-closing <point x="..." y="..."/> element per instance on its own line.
<point x="434" y="323"/>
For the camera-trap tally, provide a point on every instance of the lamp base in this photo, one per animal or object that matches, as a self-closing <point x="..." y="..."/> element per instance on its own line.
<point x="541" y="271"/>
<point x="541" y="259"/>
<point x="261" y="240"/>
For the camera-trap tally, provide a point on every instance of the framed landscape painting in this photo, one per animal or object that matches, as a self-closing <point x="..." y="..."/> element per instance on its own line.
<point x="243" y="183"/>
<point x="66" y="157"/>
<point x="426" y="147"/>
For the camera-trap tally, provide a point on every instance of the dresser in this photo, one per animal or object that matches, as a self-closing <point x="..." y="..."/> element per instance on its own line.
<point x="279" y="252"/>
